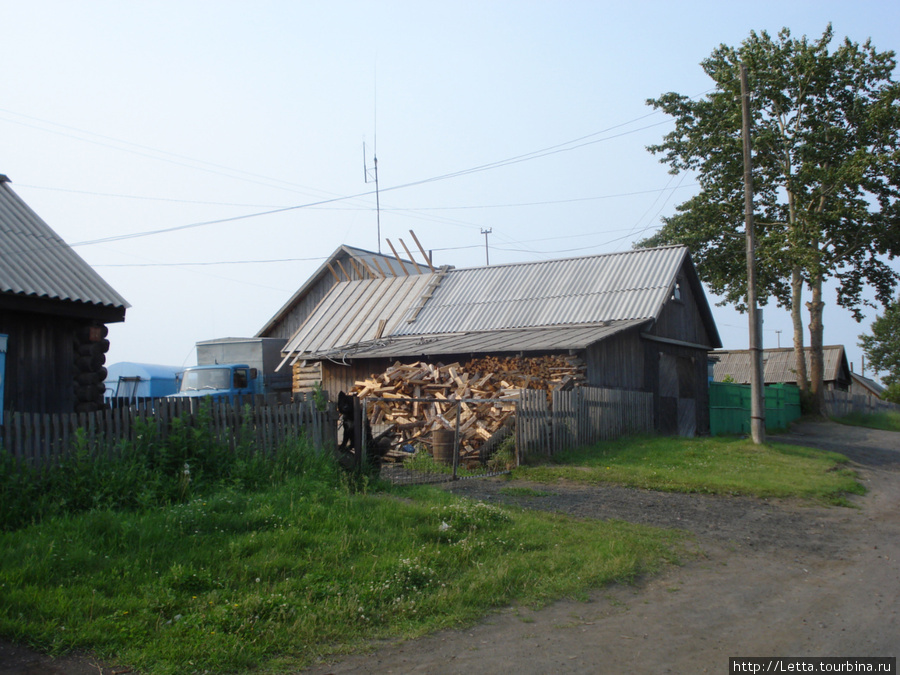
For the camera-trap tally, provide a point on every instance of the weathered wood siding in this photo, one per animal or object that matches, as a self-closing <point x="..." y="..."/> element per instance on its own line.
<point x="617" y="363"/>
<point x="681" y="388"/>
<point x="680" y="318"/>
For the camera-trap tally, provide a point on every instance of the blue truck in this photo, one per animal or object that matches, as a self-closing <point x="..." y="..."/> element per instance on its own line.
<point x="230" y="367"/>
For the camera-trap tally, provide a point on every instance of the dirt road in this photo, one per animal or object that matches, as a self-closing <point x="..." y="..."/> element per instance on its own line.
<point x="771" y="578"/>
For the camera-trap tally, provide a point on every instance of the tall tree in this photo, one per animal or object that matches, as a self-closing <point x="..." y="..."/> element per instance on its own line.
<point x="826" y="175"/>
<point x="882" y="348"/>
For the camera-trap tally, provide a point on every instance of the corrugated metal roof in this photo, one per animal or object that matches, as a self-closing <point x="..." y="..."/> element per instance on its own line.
<point x="513" y="340"/>
<point x="36" y="262"/>
<point x="352" y="312"/>
<point x="501" y="308"/>
<point x="780" y="365"/>
<point x="614" y="287"/>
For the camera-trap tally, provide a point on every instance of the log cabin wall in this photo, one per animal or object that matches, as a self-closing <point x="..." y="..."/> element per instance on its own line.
<point x="52" y="365"/>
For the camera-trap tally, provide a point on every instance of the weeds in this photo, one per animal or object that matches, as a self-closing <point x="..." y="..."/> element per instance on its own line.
<point x="141" y="473"/>
<point x="235" y="581"/>
<point x="887" y="421"/>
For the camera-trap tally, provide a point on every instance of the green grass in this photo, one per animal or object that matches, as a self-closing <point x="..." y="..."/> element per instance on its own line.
<point x="271" y="580"/>
<point x="721" y="465"/>
<point x="266" y="564"/>
<point x="887" y="421"/>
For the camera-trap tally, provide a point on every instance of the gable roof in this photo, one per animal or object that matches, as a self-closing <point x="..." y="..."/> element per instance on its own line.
<point x="869" y="384"/>
<point x="37" y="264"/>
<point x="554" y="304"/>
<point x="369" y="263"/>
<point x="779" y="365"/>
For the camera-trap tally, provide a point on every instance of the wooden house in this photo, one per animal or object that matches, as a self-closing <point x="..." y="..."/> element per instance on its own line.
<point x="638" y="320"/>
<point x="54" y="309"/>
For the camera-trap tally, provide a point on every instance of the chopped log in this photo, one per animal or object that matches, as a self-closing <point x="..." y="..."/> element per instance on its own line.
<point x="497" y="380"/>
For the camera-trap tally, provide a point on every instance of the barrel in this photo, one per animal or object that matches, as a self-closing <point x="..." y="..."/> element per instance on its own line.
<point x="442" y="445"/>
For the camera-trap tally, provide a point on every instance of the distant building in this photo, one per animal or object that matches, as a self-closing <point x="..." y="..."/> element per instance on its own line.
<point x="780" y="366"/>
<point x="864" y="386"/>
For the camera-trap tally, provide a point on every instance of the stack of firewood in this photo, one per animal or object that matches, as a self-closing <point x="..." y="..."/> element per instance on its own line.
<point x="416" y="399"/>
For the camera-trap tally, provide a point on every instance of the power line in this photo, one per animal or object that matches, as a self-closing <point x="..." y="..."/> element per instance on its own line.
<point x="561" y="147"/>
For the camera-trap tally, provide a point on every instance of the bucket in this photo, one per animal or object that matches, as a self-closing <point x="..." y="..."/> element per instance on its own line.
<point x="442" y="445"/>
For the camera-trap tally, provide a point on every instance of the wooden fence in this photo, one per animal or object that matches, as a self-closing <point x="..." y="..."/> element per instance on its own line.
<point x="579" y="417"/>
<point x="843" y="403"/>
<point x="39" y="439"/>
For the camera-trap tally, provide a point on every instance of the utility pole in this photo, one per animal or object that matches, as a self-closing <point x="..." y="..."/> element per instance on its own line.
<point x="487" y="260"/>
<point x="757" y="393"/>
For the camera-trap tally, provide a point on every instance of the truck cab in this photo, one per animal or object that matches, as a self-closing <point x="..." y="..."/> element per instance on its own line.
<point x="218" y="381"/>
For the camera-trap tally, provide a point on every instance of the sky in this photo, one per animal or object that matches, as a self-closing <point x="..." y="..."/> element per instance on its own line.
<point x="207" y="157"/>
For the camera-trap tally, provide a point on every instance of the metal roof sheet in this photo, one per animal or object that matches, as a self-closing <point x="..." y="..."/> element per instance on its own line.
<point x="779" y="365"/>
<point x="352" y="312"/>
<point x="613" y="287"/>
<point x="36" y="262"/>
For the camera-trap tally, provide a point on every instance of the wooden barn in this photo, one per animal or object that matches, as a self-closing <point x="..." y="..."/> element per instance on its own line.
<point x="53" y="313"/>
<point x="780" y="366"/>
<point x="345" y="264"/>
<point x="637" y="320"/>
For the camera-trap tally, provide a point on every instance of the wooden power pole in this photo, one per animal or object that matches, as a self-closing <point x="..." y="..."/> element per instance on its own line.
<point x="757" y="383"/>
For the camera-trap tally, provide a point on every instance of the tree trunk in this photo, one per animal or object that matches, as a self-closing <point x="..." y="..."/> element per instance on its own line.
<point x="817" y="354"/>
<point x="797" y="319"/>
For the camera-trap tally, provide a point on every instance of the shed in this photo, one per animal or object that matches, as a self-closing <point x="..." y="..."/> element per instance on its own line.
<point x="132" y="382"/>
<point x="639" y="320"/>
<point x="53" y="309"/>
<point x="867" y="387"/>
<point x="780" y="366"/>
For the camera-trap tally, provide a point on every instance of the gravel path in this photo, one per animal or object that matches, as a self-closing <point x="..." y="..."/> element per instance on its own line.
<point x="773" y="578"/>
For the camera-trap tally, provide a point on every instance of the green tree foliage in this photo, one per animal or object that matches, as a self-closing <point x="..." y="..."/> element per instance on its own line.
<point x="826" y="176"/>
<point x="882" y="348"/>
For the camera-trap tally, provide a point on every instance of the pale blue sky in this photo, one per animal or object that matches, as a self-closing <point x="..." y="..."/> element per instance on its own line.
<point x="124" y="117"/>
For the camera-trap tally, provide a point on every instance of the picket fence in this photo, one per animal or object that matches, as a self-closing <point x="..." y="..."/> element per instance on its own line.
<point x="582" y="416"/>
<point x="39" y="440"/>
<point x="842" y="403"/>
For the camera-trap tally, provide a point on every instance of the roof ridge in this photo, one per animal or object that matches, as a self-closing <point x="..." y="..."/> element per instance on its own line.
<point x="571" y="258"/>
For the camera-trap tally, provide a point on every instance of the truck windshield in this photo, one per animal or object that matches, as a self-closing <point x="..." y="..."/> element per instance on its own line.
<point x="208" y="378"/>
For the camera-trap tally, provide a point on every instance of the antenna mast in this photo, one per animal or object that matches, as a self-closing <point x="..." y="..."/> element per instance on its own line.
<point x="372" y="176"/>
